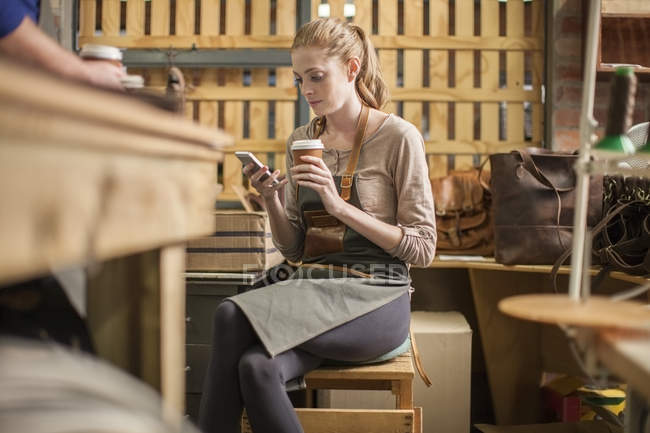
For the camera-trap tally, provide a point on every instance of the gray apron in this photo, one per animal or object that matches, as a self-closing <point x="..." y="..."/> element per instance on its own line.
<point x="315" y="300"/>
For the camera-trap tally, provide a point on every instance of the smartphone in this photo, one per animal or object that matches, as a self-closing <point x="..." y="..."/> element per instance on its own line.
<point x="247" y="158"/>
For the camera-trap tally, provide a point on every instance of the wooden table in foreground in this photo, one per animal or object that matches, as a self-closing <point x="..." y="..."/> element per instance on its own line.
<point x="518" y="352"/>
<point x="98" y="179"/>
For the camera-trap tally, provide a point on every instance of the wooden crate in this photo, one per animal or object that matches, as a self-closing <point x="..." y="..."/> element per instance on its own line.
<point x="467" y="74"/>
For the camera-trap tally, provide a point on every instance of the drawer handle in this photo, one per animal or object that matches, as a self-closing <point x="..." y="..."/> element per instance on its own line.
<point x="188" y="319"/>
<point x="188" y="368"/>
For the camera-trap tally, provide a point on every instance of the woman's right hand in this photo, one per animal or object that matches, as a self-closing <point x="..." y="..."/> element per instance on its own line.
<point x="269" y="186"/>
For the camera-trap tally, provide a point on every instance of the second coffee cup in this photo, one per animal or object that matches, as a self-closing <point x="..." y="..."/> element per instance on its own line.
<point x="306" y="147"/>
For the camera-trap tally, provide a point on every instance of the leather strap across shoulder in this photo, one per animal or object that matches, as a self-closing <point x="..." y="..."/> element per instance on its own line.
<point x="346" y="180"/>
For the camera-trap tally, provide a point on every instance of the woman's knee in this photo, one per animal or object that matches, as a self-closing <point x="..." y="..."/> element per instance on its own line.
<point x="256" y="369"/>
<point x="225" y="315"/>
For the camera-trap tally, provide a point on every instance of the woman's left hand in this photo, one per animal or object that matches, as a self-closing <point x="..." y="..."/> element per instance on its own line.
<point x="314" y="174"/>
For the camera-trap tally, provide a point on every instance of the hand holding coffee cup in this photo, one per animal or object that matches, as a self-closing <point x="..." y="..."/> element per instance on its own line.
<point x="103" y="65"/>
<point x="301" y="148"/>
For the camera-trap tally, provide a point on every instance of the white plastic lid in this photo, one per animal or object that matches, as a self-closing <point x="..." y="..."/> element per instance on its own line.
<point x="307" y="144"/>
<point x="100" y="52"/>
<point x="133" y="81"/>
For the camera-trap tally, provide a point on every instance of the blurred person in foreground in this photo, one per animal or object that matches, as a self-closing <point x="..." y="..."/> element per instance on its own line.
<point x="22" y="37"/>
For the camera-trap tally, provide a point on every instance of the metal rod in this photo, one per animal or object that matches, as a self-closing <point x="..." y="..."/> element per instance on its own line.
<point x="587" y="124"/>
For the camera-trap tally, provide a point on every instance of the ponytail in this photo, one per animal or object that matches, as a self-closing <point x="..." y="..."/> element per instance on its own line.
<point x="370" y="84"/>
<point x="346" y="41"/>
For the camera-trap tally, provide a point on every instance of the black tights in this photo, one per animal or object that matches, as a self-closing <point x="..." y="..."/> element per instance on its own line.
<point x="241" y="373"/>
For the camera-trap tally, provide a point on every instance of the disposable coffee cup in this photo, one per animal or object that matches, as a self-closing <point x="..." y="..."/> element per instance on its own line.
<point x="306" y="147"/>
<point x="105" y="53"/>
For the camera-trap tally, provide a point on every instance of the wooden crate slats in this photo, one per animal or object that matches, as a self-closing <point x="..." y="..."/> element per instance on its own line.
<point x="387" y="26"/>
<point x="159" y="25"/>
<point x="210" y="17"/>
<point x="314" y="8"/>
<point x="489" y="64"/>
<point x="537" y="72"/>
<point x="363" y="15"/>
<point x="477" y="115"/>
<point x="438" y="77"/>
<point x="464" y="79"/>
<point x="515" y="71"/>
<point x="135" y="16"/>
<point x="412" y="64"/>
<point x="87" y="13"/>
<point x="111" y="17"/>
<point x="209" y="110"/>
<point x="258" y="124"/>
<point x="185" y="13"/>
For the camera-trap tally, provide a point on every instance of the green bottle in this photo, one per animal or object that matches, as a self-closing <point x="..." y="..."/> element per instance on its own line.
<point x="616" y="143"/>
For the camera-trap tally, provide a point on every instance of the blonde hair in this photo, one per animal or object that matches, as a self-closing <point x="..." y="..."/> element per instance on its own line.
<point x="345" y="41"/>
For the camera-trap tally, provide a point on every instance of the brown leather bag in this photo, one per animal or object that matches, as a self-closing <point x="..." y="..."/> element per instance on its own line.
<point x="463" y="217"/>
<point x="324" y="234"/>
<point x="533" y="193"/>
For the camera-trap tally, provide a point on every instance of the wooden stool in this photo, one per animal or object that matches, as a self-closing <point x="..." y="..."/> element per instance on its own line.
<point x="395" y="375"/>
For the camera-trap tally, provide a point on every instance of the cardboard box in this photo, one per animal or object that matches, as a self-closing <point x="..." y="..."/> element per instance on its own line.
<point x="241" y="243"/>
<point x="445" y="344"/>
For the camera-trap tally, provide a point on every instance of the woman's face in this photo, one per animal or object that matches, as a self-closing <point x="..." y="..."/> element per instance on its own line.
<point x="325" y="82"/>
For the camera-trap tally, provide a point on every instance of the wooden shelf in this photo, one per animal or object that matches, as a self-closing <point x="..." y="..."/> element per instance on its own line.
<point x="624" y="27"/>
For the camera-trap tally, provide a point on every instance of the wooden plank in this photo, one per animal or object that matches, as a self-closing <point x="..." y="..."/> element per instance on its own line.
<point x="470" y="147"/>
<point x="336" y="8"/>
<point x="123" y="314"/>
<point x="438" y="77"/>
<point x="537" y="73"/>
<point x="463" y="94"/>
<point x="515" y="71"/>
<point x="135" y="17"/>
<point x="259" y="113"/>
<point x="363" y="15"/>
<point x="349" y="420"/>
<point x="625" y="8"/>
<point x="209" y="110"/>
<point x="498" y="43"/>
<point x="87" y="12"/>
<point x="159" y="22"/>
<point x="210" y="17"/>
<point x="220" y="93"/>
<point x="412" y="111"/>
<point x="185" y="17"/>
<point x="30" y="88"/>
<point x="188" y="111"/>
<point x="404" y="393"/>
<point x="437" y="164"/>
<point x="459" y="42"/>
<point x="388" y="57"/>
<point x="464" y="115"/>
<point x="511" y="346"/>
<point x="258" y="120"/>
<point x="314" y="8"/>
<point x="398" y="368"/>
<point x="284" y="111"/>
<point x="489" y="76"/>
<point x="172" y="327"/>
<point x="233" y="111"/>
<point x="86" y="204"/>
<point x="111" y="17"/>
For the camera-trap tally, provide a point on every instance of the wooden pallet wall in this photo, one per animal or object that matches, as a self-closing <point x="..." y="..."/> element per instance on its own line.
<point x="467" y="73"/>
